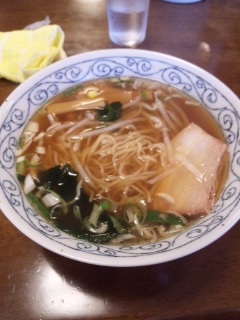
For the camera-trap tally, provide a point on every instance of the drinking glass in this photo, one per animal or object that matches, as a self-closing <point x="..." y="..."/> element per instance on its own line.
<point x="127" y="21"/>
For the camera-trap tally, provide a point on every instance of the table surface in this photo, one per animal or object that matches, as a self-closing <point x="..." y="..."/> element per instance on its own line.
<point x="38" y="284"/>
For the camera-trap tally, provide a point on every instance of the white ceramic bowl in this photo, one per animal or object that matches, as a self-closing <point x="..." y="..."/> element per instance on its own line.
<point x="37" y="90"/>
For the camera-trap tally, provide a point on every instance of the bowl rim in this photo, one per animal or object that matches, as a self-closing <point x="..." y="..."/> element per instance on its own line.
<point x="110" y="260"/>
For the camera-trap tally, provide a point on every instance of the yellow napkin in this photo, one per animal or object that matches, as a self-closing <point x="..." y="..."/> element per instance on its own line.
<point x="24" y="52"/>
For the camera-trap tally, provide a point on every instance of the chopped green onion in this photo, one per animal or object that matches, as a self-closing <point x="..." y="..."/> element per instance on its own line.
<point x="32" y="127"/>
<point x="20" y="143"/>
<point x="77" y="213"/>
<point x="25" y="162"/>
<point x="42" y="191"/>
<point x="144" y="95"/>
<point x="117" y="224"/>
<point x="100" y="228"/>
<point x="49" y="200"/>
<point x="29" y="184"/>
<point x="21" y="167"/>
<point x="154" y="216"/>
<point x="34" y="201"/>
<point x="95" y="214"/>
<point x="61" y="200"/>
<point x="29" y="163"/>
<point x="105" y="205"/>
<point x="67" y="93"/>
<point x="132" y="214"/>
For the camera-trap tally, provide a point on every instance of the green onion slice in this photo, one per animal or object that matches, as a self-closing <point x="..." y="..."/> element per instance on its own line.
<point x="67" y="93"/>
<point x="36" y="204"/>
<point x="117" y="224"/>
<point x="154" y="216"/>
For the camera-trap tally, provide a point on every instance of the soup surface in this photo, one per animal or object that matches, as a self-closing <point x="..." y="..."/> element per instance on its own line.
<point x="122" y="160"/>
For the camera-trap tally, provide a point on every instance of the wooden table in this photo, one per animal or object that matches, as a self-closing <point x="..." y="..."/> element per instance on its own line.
<point x="38" y="284"/>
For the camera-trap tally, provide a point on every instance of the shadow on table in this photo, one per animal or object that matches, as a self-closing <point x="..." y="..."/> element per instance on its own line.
<point x="190" y="276"/>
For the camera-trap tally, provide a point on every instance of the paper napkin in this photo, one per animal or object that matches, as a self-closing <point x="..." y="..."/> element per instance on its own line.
<point x="24" y="52"/>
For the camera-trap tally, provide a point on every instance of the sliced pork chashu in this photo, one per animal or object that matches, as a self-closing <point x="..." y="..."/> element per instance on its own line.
<point x="191" y="188"/>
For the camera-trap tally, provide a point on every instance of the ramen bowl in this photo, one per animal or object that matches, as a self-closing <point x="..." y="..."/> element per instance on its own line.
<point x="31" y="95"/>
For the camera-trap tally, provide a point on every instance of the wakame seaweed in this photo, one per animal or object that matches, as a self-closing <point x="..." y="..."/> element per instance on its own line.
<point x="95" y="238"/>
<point x="62" y="180"/>
<point x="110" y="112"/>
<point x="73" y="226"/>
